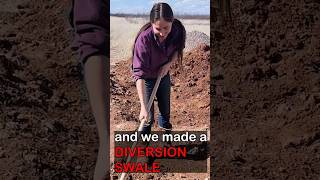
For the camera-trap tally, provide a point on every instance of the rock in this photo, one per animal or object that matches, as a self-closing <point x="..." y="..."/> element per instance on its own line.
<point x="49" y="126"/>
<point x="149" y="176"/>
<point x="2" y="154"/>
<point x="282" y="109"/>
<point x="12" y="125"/>
<point x="203" y="104"/>
<point x="30" y="157"/>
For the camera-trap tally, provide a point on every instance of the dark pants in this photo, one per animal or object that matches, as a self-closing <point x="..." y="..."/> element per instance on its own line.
<point x="163" y="97"/>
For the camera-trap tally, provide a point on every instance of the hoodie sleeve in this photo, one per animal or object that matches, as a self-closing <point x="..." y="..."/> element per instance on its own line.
<point x="90" y="21"/>
<point x="141" y="58"/>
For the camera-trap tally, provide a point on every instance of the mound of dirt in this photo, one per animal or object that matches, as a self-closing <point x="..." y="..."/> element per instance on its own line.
<point x="266" y="92"/>
<point x="194" y="38"/>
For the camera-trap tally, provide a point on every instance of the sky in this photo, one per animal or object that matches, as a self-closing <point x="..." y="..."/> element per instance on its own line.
<point x="193" y="7"/>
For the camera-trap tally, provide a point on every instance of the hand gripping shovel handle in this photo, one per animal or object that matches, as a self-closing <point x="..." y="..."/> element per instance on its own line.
<point x="149" y="105"/>
<point x="143" y="121"/>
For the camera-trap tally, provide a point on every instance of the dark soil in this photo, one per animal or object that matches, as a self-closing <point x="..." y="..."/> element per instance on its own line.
<point x="266" y="91"/>
<point x="46" y="127"/>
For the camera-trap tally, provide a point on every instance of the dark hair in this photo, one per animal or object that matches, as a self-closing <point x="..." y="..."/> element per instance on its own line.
<point x="163" y="10"/>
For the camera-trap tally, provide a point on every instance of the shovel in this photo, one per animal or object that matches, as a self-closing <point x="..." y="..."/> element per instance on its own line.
<point x="143" y="121"/>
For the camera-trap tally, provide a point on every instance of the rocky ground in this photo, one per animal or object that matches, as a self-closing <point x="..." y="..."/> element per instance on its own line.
<point x="265" y="119"/>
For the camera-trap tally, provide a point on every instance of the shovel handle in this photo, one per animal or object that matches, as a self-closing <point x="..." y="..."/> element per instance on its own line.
<point x="144" y="120"/>
<point x="153" y="94"/>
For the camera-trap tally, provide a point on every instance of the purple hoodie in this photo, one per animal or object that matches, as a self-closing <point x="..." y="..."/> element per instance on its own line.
<point x="90" y="20"/>
<point x="149" y="54"/>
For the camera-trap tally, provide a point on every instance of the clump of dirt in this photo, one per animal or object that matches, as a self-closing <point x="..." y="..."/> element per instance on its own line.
<point x="266" y="91"/>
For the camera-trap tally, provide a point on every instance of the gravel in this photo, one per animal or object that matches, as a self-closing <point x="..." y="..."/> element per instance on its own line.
<point x="194" y="38"/>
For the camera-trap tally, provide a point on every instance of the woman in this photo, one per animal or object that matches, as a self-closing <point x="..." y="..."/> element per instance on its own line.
<point x="89" y="18"/>
<point x="158" y="45"/>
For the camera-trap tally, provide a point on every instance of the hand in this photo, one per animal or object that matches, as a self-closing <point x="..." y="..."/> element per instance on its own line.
<point x="164" y="70"/>
<point x="143" y="114"/>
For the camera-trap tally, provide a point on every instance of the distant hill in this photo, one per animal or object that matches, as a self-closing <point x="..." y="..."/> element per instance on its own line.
<point x="183" y="16"/>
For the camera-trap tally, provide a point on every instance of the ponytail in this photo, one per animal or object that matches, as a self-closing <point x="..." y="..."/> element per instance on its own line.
<point x="180" y="41"/>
